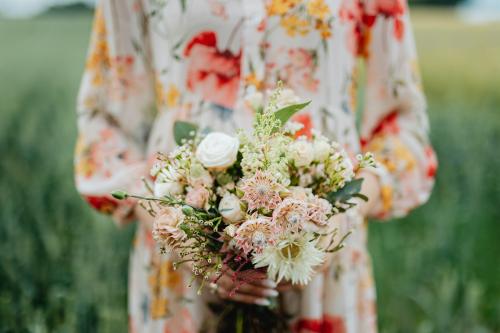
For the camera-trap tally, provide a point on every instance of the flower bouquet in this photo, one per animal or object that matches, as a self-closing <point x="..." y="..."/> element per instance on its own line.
<point x="256" y="202"/>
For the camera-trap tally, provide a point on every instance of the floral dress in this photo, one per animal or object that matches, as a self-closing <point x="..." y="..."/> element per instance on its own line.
<point x="151" y="62"/>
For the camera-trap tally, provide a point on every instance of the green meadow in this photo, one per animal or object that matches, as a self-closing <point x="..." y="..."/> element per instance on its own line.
<point x="63" y="268"/>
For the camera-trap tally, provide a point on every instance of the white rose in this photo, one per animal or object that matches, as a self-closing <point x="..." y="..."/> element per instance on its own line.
<point x="230" y="208"/>
<point x="322" y="150"/>
<point x="302" y="153"/>
<point x="217" y="150"/>
<point x="287" y="97"/>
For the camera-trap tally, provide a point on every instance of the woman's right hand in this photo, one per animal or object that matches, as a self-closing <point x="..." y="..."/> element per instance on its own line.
<point x="255" y="292"/>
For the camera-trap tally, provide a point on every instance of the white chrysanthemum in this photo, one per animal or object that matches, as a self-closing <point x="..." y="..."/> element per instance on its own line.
<point x="291" y="259"/>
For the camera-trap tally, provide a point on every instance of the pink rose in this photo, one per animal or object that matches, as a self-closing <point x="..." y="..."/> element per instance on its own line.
<point x="197" y="197"/>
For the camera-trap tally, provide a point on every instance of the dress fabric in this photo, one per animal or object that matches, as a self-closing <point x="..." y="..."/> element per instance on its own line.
<point x="151" y="62"/>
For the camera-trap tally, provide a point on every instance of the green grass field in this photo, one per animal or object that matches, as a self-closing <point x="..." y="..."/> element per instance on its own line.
<point x="63" y="268"/>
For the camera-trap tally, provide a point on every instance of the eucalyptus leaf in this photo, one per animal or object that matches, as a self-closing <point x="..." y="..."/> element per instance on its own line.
<point x="284" y="114"/>
<point x="184" y="130"/>
<point x="351" y="189"/>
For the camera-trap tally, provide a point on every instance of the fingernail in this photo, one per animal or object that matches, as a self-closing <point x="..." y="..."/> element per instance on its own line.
<point x="271" y="293"/>
<point x="263" y="302"/>
<point x="269" y="283"/>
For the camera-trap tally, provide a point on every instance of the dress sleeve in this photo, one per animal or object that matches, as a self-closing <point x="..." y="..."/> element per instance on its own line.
<point x="115" y="108"/>
<point x="394" y="125"/>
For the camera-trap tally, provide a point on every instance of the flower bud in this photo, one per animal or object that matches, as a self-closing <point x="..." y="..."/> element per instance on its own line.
<point x="120" y="195"/>
<point x="187" y="210"/>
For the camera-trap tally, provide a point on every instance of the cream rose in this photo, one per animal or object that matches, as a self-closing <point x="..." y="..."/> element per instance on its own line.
<point x="217" y="150"/>
<point x="162" y="189"/>
<point x="230" y="208"/>
<point x="166" y="226"/>
<point x="302" y="153"/>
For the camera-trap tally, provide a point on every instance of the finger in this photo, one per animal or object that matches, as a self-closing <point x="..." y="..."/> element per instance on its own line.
<point x="230" y="284"/>
<point x="243" y="298"/>
<point x="257" y="291"/>
<point x="264" y="283"/>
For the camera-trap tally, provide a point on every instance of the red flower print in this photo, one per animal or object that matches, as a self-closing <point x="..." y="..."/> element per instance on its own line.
<point x="357" y="35"/>
<point x="388" y="9"/>
<point x="102" y="204"/>
<point x="432" y="163"/>
<point x="388" y="125"/>
<point x="306" y="121"/>
<point x="212" y="73"/>
<point x="329" y="324"/>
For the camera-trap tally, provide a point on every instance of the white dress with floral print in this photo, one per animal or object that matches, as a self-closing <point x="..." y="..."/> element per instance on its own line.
<point x="151" y="62"/>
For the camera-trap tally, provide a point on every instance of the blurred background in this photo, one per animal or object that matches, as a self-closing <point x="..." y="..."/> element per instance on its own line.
<point x="63" y="268"/>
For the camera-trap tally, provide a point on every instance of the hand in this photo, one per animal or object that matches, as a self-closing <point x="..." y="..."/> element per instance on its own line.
<point x="370" y="188"/>
<point x="254" y="292"/>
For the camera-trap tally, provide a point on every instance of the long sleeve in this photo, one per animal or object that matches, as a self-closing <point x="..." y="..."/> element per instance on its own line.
<point x="395" y="124"/>
<point x="115" y="108"/>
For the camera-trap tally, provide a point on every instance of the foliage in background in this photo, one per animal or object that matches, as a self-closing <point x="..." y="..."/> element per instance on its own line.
<point x="64" y="268"/>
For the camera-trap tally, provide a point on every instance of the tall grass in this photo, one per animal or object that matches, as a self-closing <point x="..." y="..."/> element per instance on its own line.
<point x="63" y="268"/>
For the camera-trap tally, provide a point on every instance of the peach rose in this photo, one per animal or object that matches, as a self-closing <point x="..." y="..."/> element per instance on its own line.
<point x="197" y="197"/>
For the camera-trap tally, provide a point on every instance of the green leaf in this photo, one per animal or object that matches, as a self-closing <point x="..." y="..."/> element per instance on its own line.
<point x="183" y="130"/>
<point x="287" y="112"/>
<point x="351" y="189"/>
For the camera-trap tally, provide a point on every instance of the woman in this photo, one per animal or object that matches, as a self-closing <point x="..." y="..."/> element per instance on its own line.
<point x="152" y="62"/>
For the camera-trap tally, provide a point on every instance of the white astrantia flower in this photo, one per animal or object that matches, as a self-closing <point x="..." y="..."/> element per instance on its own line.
<point x="293" y="259"/>
<point x="218" y="150"/>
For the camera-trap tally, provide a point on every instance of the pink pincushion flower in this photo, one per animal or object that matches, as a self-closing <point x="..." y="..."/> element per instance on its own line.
<point x="291" y="214"/>
<point x="166" y="229"/>
<point x="255" y="234"/>
<point x="197" y="197"/>
<point x="261" y="191"/>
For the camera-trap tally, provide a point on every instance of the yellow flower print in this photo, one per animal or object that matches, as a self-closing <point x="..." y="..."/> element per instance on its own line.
<point x="163" y="278"/>
<point x="386" y="196"/>
<point x="281" y="7"/>
<point x="294" y="25"/>
<point x="98" y="60"/>
<point x="172" y="96"/>
<point x="160" y="93"/>
<point x="324" y="29"/>
<point x="169" y="278"/>
<point x="252" y="80"/>
<point x="159" y="307"/>
<point x="318" y="9"/>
